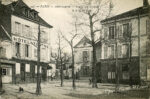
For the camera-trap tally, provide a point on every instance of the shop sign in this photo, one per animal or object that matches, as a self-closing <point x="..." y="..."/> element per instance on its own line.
<point x="27" y="41"/>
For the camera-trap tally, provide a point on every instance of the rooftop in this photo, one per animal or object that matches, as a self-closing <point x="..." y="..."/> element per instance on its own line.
<point x="16" y="8"/>
<point x="141" y="10"/>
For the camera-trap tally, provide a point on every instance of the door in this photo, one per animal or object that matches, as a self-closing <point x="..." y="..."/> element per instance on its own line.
<point x="22" y="72"/>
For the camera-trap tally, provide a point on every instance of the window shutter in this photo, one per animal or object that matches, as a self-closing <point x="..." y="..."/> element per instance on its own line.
<point x="119" y="51"/>
<point x="30" y="51"/>
<point x="105" y="33"/>
<point x="117" y="32"/>
<point x="148" y="27"/>
<point x="23" y="30"/>
<point x="22" y="50"/>
<point x="13" y="27"/>
<point x="130" y="29"/>
<point x="14" y="49"/>
<point x="120" y="31"/>
<point x="35" y="69"/>
<point x="148" y="48"/>
<point x="7" y="71"/>
<point x="20" y="29"/>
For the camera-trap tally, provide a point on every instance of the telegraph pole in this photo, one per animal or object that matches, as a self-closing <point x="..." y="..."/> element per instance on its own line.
<point x="38" y="88"/>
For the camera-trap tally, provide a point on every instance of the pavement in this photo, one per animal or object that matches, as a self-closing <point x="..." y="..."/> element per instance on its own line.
<point x="52" y="90"/>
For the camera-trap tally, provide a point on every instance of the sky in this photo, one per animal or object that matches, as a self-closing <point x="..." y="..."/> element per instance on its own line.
<point x="59" y="18"/>
<point x="52" y="12"/>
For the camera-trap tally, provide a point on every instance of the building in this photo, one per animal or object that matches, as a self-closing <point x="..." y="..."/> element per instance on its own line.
<point x="125" y="41"/>
<point x="83" y="57"/>
<point x="19" y="27"/>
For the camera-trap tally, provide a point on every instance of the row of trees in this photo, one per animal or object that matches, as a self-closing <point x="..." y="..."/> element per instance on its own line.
<point x="87" y="22"/>
<point x="91" y="12"/>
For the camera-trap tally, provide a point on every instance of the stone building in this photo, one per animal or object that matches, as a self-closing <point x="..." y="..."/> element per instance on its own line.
<point x="19" y="27"/>
<point x="125" y="41"/>
<point x="83" y="57"/>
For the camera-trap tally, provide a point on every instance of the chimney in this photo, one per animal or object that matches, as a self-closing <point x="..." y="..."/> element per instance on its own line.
<point x="145" y="3"/>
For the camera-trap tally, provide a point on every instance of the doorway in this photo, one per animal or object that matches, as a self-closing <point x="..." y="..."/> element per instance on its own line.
<point x="22" y="72"/>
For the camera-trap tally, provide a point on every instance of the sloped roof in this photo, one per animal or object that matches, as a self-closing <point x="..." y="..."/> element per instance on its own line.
<point x="141" y="10"/>
<point x="83" y="40"/>
<point x="3" y="35"/>
<point x="17" y="10"/>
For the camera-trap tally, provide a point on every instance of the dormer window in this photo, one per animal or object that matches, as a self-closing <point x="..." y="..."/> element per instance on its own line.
<point x="26" y="12"/>
<point x="35" y="15"/>
<point x="23" y="10"/>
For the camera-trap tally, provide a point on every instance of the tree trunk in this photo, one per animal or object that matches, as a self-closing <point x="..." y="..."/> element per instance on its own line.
<point x="73" y="76"/>
<point x="94" y="79"/>
<point x="38" y="88"/>
<point x="61" y="72"/>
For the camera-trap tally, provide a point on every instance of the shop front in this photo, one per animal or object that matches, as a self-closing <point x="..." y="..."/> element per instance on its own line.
<point x="8" y="68"/>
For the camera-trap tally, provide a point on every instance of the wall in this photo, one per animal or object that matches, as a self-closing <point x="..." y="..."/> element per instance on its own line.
<point x="31" y="38"/>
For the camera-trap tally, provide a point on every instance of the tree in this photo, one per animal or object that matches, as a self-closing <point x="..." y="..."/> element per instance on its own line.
<point x="38" y="88"/>
<point x="70" y="42"/>
<point x="91" y="12"/>
<point x="60" y="57"/>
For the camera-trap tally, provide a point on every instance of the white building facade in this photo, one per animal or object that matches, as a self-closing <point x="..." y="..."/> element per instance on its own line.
<point x="20" y="51"/>
<point x="83" y="57"/>
<point x="126" y="37"/>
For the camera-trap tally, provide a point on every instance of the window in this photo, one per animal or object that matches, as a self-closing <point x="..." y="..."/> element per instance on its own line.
<point x="2" y="52"/>
<point x="85" y="56"/>
<point x="44" y="37"/>
<point x="148" y="74"/>
<point x="17" y="68"/>
<point x="43" y="53"/>
<point x="105" y="33"/>
<point x="111" y="51"/>
<point x="26" y="50"/>
<point x="105" y="51"/>
<point x="120" y="31"/>
<point x="27" y="31"/>
<point x="119" y="51"/>
<point x="111" y="32"/>
<point x="27" y="68"/>
<point x="148" y="48"/>
<point x="17" y="28"/>
<point x="35" y="15"/>
<point x="35" y="52"/>
<point x="26" y="12"/>
<point x="111" y="75"/>
<point x="4" y="71"/>
<point x="148" y="27"/>
<point x="126" y="30"/>
<point x="125" y="71"/>
<point x="125" y="51"/>
<point x="17" y="48"/>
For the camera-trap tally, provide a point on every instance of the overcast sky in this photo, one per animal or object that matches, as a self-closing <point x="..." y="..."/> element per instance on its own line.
<point x="59" y="18"/>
